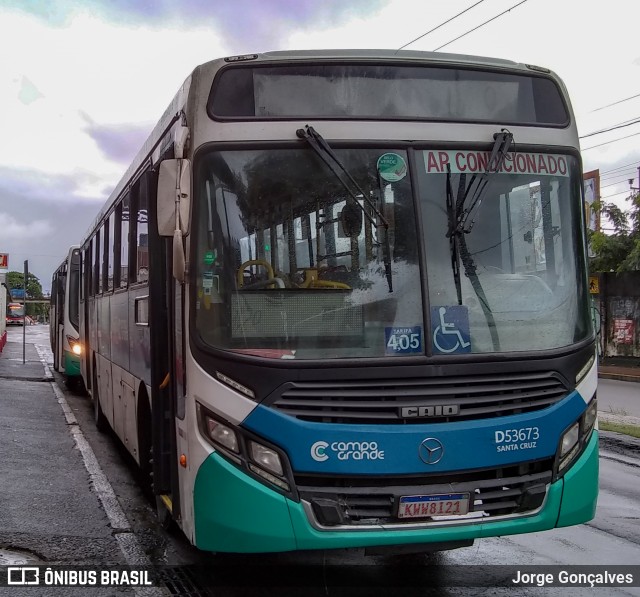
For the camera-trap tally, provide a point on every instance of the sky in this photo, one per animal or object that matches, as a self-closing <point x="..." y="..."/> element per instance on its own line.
<point x="82" y="83"/>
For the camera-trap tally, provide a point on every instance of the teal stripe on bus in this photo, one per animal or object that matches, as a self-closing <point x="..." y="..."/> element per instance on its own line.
<point x="236" y="513"/>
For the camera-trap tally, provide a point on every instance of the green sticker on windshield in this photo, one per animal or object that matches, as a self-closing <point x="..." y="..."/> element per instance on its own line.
<point x="392" y="167"/>
<point x="209" y="257"/>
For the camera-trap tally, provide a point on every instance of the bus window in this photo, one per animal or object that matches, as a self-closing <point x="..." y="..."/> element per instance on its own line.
<point x="516" y="283"/>
<point x="98" y="262"/>
<point x="288" y="260"/>
<point x="109" y="255"/>
<point x="142" y="237"/>
<point x="124" y="241"/>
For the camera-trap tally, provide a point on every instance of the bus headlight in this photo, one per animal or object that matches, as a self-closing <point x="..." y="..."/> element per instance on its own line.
<point x="74" y="344"/>
<point x="266" y="458"/>
<point x="589" y="418"/>
<point x="263" y="462"/>
<point x="569" y="445"/>
<point x="576" y="437"/>
<point x="222" y="435"/>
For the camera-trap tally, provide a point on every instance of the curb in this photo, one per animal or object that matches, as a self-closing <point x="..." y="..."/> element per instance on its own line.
<point x="619" y="377"/>
<point x="619" y="443"/>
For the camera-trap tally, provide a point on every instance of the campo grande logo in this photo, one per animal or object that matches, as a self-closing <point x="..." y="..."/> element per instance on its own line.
<point x="347" y="451"/>
<point x="317" y="451"/>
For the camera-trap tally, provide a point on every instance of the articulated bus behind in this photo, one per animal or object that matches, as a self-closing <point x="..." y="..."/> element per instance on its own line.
<point x="65" y="337"/>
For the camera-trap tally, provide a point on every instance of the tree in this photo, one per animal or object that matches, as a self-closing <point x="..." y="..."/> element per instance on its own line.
<point x="15" y="280"/>
<point x="619" y="251"/>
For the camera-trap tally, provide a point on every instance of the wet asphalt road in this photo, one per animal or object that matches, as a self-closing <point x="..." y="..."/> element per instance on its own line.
<point x="613" y="537"/>
<point x="619" y="397"/>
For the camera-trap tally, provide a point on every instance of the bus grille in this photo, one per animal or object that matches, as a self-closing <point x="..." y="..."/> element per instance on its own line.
<point x="382" y="401"/>
<point x="339" y="501"/>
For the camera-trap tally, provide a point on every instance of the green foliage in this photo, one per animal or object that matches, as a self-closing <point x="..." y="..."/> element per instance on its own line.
<point x="619" y="251"/>
<point x="632" y="430"/>
<point x="34" y="290"/>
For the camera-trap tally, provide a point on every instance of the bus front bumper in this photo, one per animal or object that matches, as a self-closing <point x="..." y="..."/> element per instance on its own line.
<point x="235" y="513"/>
<point x="71" y="363"/>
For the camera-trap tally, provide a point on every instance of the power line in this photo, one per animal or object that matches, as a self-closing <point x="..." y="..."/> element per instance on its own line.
<point x="616" y="103"/>
<point x="619" y="175"/>
<point x="618" y="183"/>
<point x="616" y="194"/>
<point x="619" y="168"/>
<point x="607" y="143"/>
<point x="623" y="172"/>
<point x="481" y="25"/>
<point x="440" y="25"/>
<point x="612" y="128"/>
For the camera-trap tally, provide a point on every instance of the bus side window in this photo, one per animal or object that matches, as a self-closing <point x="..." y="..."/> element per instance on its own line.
<point x="142" y="236"/>
<point x="104" y="255"/>
<point x="124" y="215"/>
<point x="88" y="265"/>
<point x="97" y="289"/>
<point x="83" y="274"/>
<point x="109" y="254"/>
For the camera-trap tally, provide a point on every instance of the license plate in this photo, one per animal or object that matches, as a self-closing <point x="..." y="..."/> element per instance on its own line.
<point x="442" y="504"/>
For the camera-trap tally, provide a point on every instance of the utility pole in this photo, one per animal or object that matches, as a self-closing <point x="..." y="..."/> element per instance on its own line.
<point x="631" y="187"/>
<point x="24" y="313"/>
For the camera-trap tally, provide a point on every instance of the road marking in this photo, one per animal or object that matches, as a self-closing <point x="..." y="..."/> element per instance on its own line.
<point x="127" y="541"/>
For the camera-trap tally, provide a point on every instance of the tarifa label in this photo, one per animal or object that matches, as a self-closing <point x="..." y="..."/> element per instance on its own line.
<point x="476" y="162"/>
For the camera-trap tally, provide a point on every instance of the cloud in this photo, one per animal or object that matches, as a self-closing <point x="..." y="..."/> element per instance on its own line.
<point x="243" y="25"/>
<point x="14" y="229"/>
<point x="19" y="185"/>
<point x="40" y="217"/>
<point x="121" y="142"/>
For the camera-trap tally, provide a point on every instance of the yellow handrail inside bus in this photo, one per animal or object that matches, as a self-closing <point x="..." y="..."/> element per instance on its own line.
<point x="165" y="381"/>
<point x="249" y="263"/>
<point x="311" y="281"/>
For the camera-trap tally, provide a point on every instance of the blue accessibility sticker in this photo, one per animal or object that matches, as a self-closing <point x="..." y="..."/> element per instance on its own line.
<point x="450" y="329"/>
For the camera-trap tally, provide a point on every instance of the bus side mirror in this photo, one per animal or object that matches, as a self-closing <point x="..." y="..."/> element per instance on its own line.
<point x="174" y="182"/>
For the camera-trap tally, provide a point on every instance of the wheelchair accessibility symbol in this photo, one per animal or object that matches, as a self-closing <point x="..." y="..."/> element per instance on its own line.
<point x="451" y="334"/>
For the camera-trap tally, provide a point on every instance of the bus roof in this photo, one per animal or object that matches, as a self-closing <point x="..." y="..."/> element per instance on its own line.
<point x="372" y="54"/>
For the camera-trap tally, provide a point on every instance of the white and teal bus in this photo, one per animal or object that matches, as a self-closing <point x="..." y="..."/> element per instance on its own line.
<point x="64" y="320"/>
<point x="341" y="298"/>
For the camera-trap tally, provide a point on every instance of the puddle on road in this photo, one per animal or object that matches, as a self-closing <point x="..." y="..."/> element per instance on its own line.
<point x="14" y="557"/>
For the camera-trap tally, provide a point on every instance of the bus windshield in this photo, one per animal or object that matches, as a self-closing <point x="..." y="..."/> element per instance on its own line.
<point x="290" y="265"/>
<point x="74" y="289"/>
<point x="504" y="274"/>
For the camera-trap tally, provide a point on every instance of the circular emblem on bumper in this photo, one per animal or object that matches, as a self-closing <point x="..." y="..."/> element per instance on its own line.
<point x="431" y="450"/>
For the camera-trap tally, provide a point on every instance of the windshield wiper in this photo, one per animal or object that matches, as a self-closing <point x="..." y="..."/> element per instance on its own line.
<point x="458" y="215"/>
<point x="502" y="142"/>
<point x="317" y="142"/>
